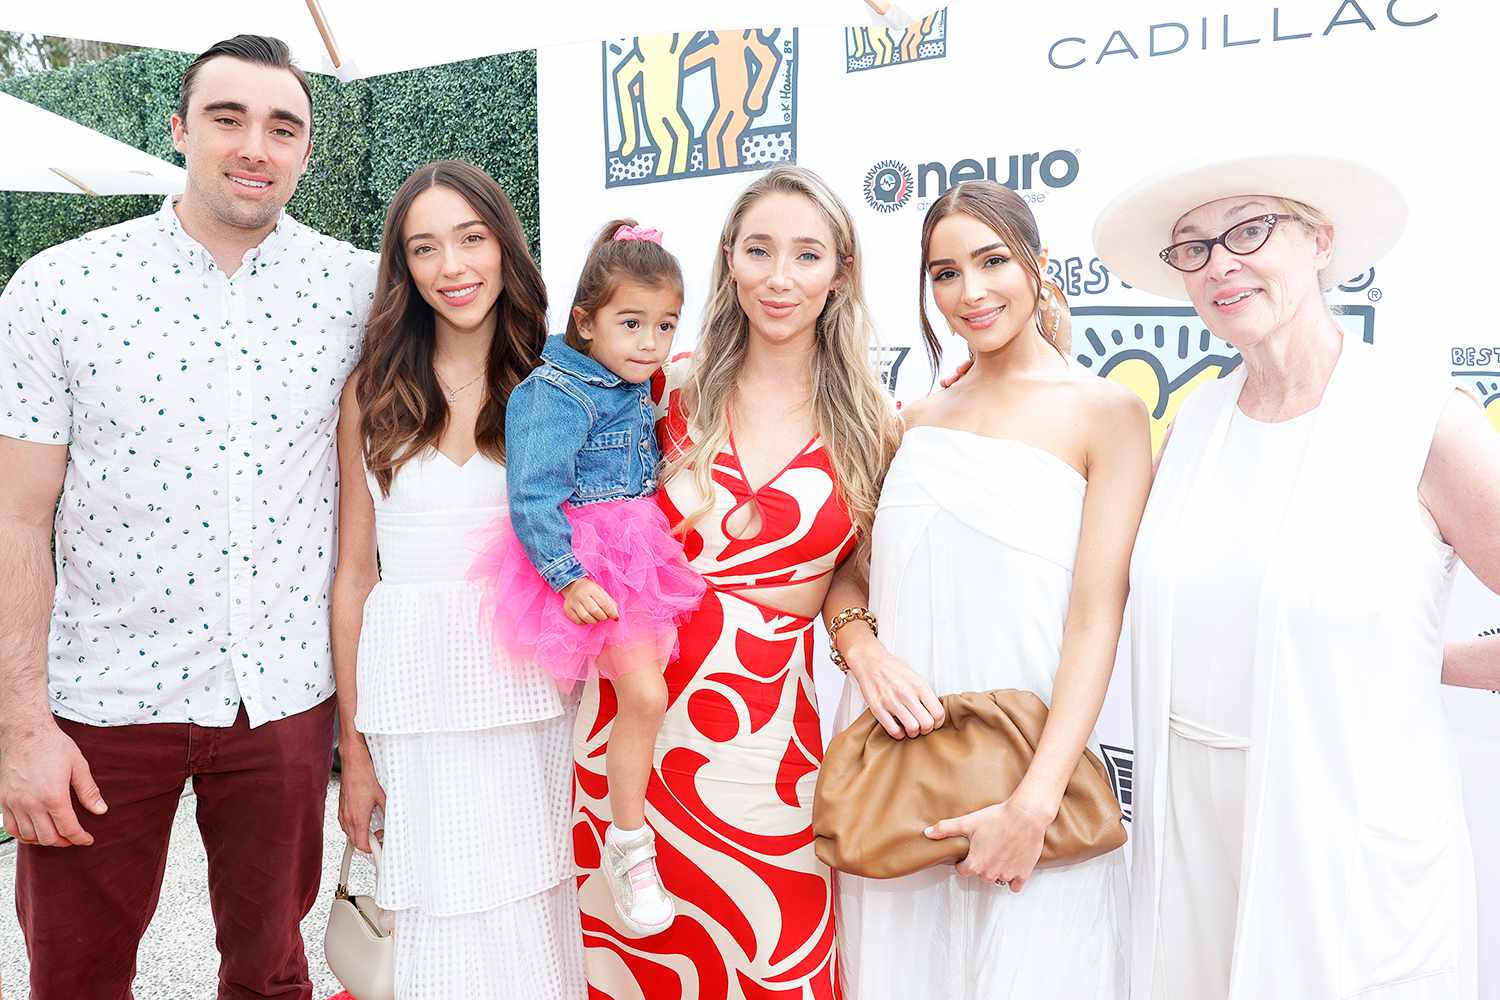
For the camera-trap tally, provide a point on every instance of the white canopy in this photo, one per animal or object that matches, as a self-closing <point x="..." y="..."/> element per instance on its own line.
<point x="52" y="153"/>
<point x="370" y="37"/>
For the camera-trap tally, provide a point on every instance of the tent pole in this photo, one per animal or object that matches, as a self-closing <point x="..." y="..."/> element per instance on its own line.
<point x="316" y="10"/>
<point x="74" y="181"/>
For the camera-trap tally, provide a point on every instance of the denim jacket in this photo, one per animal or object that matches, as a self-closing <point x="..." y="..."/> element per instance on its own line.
<point x="574" y="432"/>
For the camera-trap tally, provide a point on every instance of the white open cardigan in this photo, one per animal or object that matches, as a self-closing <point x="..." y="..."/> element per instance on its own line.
<point x="1357" y="877"/>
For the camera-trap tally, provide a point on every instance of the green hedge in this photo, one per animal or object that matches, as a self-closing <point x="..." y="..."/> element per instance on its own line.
<point x="367" y="136"/>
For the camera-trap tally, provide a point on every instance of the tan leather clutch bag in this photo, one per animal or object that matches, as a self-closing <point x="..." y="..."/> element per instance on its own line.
<point x="875" y="795"/>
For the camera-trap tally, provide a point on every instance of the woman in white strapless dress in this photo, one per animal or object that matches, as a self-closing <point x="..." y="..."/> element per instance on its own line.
<point x="999" y="560"/>
<point x="469" y="759"/>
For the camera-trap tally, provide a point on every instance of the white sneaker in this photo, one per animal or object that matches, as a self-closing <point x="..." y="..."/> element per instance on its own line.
<point x="630" y="868"/>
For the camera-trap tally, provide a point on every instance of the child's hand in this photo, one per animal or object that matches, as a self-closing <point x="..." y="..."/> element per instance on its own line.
<point x="586" y="603"/>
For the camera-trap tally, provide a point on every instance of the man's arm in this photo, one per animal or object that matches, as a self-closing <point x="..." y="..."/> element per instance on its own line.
<point x="39" y="764"/>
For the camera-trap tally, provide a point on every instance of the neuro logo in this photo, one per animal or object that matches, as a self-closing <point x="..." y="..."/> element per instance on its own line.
<point x="1164" y="353"/>
<point x="694" y="104"/>
<point x="1119" y="763"/>
<point x="887" y="361"/>
<point x="877" y="46"/>
<point x="888" y="186"/>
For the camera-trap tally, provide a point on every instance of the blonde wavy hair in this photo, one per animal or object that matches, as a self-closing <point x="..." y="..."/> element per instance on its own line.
<point x="855" y="418"/>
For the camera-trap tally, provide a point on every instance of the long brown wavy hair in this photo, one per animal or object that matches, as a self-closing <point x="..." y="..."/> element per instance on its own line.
<point x="403" y="407"/>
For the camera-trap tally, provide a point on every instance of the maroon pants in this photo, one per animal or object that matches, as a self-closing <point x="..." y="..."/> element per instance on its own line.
<point x="260" y="796"/>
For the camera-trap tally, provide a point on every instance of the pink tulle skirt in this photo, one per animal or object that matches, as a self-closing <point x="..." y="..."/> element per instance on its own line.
<point x="627" y="548"/>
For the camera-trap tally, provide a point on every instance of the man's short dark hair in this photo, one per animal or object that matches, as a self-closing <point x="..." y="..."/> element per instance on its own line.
<point x="262" y="50"/>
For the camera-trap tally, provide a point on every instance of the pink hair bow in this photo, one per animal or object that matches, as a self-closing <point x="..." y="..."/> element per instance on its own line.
<point x="636" y="233"/>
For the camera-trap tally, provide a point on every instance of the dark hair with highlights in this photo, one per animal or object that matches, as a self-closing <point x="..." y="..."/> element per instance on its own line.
<point x="262" y="50"/>
<point x="403" y="409"/>
<point x="1008" y="215"/>
<point x="610" y="264"/>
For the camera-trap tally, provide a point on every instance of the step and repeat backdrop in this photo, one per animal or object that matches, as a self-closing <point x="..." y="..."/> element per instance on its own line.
<point x="1068" y="103"/>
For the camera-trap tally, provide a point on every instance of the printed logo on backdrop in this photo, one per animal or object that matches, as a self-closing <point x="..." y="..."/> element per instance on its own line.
<point x="877" y="46"/>
<point x="1477" y="368"/>
<point x="694" y="104"/>
<point x="888" y="186"/>
<point x="1264" y="25"/>
<point x="891" y="185"/>
<point x="1119" y="763"/>
<point x="888" y="361"/>
<point x="1164" y="353"/>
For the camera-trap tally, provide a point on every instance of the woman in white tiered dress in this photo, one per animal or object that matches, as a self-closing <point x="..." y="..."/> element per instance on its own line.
<point x="999" y="560"/>
<point x="469" y="759"/>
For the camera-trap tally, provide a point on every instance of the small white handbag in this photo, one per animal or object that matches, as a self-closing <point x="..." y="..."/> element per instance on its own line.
<point x="358" y="944"/>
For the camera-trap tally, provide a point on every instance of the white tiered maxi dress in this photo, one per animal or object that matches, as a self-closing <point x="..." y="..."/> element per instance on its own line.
<point x="475" y="760"/>
<point x="972" y="567"/>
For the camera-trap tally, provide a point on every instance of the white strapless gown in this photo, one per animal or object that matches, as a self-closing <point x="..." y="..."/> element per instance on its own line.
<point x="972" y="566"/>
<point x="476" y="760"/>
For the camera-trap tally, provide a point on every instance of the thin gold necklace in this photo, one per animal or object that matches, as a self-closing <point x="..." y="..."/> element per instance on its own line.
<point x="449" y="391"/>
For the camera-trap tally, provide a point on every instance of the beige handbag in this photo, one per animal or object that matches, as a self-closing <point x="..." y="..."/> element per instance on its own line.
<point x="358" y="945"/>
<point x="875" y="795"/>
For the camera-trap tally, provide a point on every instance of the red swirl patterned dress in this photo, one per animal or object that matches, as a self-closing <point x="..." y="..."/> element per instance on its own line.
<point x="730" y="794"/>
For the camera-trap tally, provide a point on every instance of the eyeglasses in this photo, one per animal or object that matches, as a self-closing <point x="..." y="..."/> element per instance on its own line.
<point x="1242" y="238"/>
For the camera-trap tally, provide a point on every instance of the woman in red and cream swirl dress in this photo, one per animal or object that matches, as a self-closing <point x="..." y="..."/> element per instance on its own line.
<point x="776" y="434"/>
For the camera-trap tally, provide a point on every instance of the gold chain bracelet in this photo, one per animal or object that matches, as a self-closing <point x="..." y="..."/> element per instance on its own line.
<point x="839" y="621"/>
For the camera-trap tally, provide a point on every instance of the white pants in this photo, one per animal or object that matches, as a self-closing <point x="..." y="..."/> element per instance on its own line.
<point x="1200" y="886"/>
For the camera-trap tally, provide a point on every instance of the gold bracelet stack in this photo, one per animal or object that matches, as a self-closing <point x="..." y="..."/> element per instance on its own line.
<point x="839" y="621"/>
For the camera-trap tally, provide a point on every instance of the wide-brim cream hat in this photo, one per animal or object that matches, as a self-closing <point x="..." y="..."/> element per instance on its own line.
<point x="1367" y="211"/>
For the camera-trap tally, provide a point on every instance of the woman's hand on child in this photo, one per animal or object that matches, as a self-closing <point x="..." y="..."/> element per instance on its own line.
<point x="586" y="603"/>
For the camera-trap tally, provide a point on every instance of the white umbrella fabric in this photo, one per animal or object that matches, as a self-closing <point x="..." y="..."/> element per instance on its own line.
<point x="52" y="153"/>
<point x="359" y="38"/>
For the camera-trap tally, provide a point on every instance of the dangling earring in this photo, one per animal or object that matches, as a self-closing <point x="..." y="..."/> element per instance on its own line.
<point x="1046" y="308"/>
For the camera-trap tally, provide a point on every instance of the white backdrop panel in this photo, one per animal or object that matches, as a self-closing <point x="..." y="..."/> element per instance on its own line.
<point x="1069" y="103"/>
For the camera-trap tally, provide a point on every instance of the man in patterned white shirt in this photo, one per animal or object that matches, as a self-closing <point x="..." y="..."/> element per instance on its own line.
<point x="174" y="381"/>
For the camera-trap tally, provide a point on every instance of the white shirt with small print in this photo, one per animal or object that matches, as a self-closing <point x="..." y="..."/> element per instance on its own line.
<point x="195" y="533"/>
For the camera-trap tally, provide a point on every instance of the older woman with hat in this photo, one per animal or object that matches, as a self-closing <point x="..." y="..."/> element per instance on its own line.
<point x="1299" y="825"/>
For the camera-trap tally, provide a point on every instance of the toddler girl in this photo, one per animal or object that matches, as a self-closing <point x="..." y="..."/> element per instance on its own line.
<point x="584" y="576"/>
